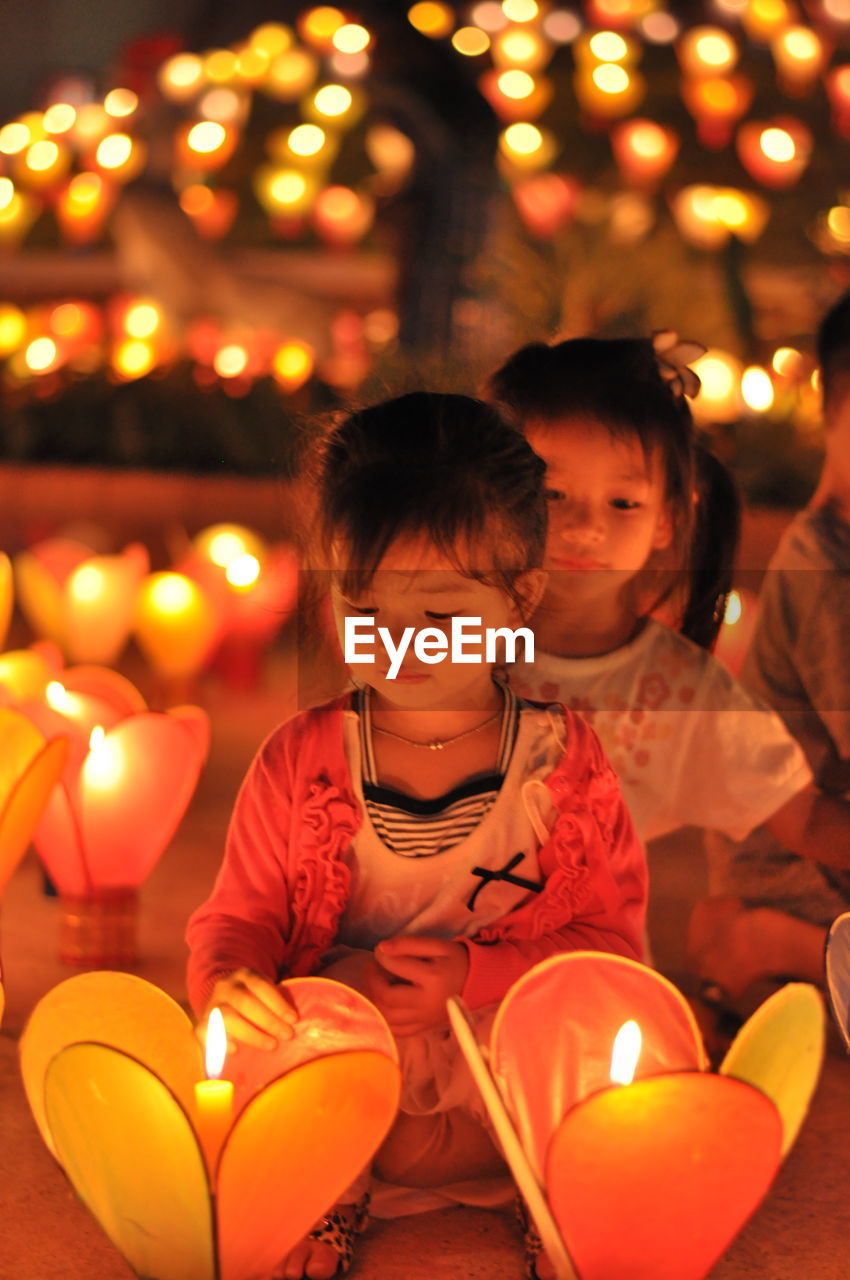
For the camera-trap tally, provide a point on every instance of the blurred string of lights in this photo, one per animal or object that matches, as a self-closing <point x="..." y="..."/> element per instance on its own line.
<point x="71" y="159"/>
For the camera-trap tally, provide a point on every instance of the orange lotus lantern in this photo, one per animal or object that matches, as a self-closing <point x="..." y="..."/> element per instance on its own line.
<point x="777" y="152"/>
<point x="205" y="145"/>
<point x="515" y="94"/>
<point x="129" y="777"/>
<point x="111" y="1067"/>
<point x="85" y="603"/>
<point x="212" y="209"/>
<point x="252" y="589"/>
<point x="717" y="103"/>
<point x="800" y="55"/>
<point x="644" y="150"/>
<point x="31" y="764"/>
<point x="609" y="1103"/>
<point x="342" y="216"/>
<point x="707" y="51"/>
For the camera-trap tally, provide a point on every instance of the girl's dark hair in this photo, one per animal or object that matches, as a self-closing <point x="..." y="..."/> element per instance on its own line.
<point x="617" y="381"/>
<point x="445" y="466"/>
<point x="833" y="348"/>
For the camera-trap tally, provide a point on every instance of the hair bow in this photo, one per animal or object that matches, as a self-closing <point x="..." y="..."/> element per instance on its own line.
<point x="673" y="356"/>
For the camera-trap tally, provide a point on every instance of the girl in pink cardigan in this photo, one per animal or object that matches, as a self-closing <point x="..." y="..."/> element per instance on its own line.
<point x="428" y="834"/>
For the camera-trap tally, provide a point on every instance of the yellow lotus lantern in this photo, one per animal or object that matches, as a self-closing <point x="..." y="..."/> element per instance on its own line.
<point x="176" y="626"/>
<point x="129" y="777"/>
<point x="30" y="766"/>
<point x="83" y="602"/>
<point x="110" y="1066"/>
<point x="252" y="589"/>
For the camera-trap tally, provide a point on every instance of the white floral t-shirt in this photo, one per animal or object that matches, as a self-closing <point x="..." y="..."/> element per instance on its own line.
<point x="689" y="744"/>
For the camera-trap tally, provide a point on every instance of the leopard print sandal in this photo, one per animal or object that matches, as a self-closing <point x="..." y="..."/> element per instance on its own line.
<point x="340" y="1228"/>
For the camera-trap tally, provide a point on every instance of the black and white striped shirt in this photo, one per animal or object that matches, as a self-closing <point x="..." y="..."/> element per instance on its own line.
<point x="417" y="828"/>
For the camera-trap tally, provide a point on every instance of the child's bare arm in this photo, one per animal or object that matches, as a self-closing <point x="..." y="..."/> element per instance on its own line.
<point x="814" y="825"/>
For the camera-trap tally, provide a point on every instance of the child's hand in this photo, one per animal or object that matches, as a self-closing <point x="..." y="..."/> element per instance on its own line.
<point x="255" y="1011"/>
<point x="431" y="970"/>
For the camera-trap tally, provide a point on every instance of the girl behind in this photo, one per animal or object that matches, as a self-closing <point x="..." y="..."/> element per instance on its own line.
<point x="425" y="835"/>
<point x="690" y="746"/>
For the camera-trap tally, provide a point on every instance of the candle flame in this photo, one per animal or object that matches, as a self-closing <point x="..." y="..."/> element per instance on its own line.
<point x="216" y="1046"/>
<point x="734" y="608"/>
<point x="624" y="1058"/>
<point x="96" y="737"/>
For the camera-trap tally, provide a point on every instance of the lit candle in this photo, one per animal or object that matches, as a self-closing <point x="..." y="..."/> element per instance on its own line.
<point x="213" y="1096"/>
<point x="775" y="153"/>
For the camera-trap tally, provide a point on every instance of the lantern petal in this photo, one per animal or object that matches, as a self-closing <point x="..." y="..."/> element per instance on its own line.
<point x="117" y="1009"/>
<point x="105" y="686"/>
<point x="294" y="1150"/>
<point x="132" y="1157"/>
<point x="25" y="803"/>
<point x="57" y="839"/>
<point x="39" y="596"/>
<point x="196" y="721"/>
<point x="332" y="1018"/>
<point x="6" y="596"/>
<point x="838" y="973"/>
<point x="552" y="1038"/>
<point x="133" y="793"/>
<point x="654" y="1180"/>
<point x="779" y="1050"/>
<point x="24" y="675"/>
<point x="99" y="605"/>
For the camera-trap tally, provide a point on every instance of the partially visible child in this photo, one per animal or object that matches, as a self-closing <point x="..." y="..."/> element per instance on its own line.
<point x="690" y="745"/>
<point x="774" y="918"/>
<point x="425" y="835"/>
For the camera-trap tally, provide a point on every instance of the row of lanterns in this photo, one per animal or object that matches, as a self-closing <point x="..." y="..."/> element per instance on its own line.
<point x="132" y="337"/>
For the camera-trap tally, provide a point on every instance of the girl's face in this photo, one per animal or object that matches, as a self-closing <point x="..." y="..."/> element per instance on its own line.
<point x="416" y="586"/>
<point x="607" y="511"/>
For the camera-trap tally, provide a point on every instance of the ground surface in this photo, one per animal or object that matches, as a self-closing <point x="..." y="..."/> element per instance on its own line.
<point x="801" y="1232"/>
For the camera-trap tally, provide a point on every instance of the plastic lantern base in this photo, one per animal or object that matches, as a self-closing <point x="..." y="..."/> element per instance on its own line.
<point x="100" y="929"/>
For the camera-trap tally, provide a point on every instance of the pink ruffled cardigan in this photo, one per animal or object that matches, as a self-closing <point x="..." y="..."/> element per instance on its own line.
<point x="284" y="881"/>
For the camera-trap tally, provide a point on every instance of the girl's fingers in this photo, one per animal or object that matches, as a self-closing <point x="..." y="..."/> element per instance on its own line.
<point x="275" y="1000"/>
<point x="412" y="945"/>
<point x="256" y="1011"/>
<point x="411" y="968"/>
<point x="241" y="1031"/>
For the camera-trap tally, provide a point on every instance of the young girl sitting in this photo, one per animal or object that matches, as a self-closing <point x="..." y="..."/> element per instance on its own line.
<point x="429" y="833"/>
<point x="689" y="745"/>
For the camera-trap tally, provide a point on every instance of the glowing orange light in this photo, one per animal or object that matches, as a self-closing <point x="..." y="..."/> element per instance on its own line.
<point x="777" y="144"/>
<point x="14" y="138"/>
<point x="67" y="319"/>
<point x="13" y="328"/>
<point x="523" y="139"/>
<point x="206" y="136"/>
<point x="707" y="51"/>
<point x="142" y="319"/>
<point x="120" y="103"/>
<point x="332" y="100"/>
<point x="134" y="358"/>
<point x="292" y="364"/>
<point x="42" y="156"/>
<point x="221" y="66"/>
<point x="181" y="76"/>
<point x="472" y="42"/>
<point x="318" y="26"/>
<point x="608" y="46"/>
<point x="520" y="10"/>
<point x="516" y="84"/>
<point x="291" y="74"/>
<point x="431" y="19"/>
<point x="306" y="139"/>
<point x="59" y="118"/>
<point x="351" y="38"/>
<point x="757" y="394"/>
<point x="41" y="355"/>
<point x="230" y="361"/>
<point x="114" y="151"/>
<point x="243" y="571"/>
<point x="272" y="38"/>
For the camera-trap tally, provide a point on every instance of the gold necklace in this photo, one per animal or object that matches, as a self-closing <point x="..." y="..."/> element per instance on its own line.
<point x="438" y="744"/>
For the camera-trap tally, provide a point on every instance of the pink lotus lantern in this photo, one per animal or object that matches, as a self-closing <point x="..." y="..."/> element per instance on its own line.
<point x="128" y="780"/>
<point x="633" y="1159"/>
<point x="187" y="1189"/>
<point x="83" y="602"/>
<point x="252" y="589"/>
